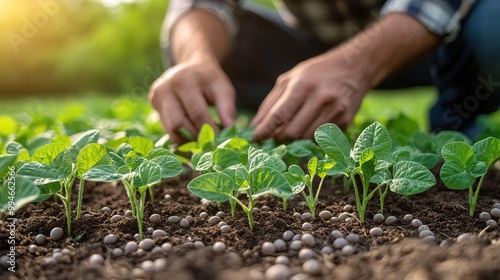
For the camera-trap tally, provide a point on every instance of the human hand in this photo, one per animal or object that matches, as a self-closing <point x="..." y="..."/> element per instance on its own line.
<point x="326" y="88"/>
<point x="183" y="94"/>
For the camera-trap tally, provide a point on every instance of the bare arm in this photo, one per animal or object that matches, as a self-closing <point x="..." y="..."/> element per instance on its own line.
<point x="330" y="87"/>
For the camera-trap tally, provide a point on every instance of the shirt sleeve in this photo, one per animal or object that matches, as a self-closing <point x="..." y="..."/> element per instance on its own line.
<point x="223" y="9"/>
<point x="441" y="17"/>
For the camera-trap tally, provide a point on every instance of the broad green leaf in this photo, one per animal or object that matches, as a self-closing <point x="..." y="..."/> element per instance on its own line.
<point x="411" y="178"/>
<point x="275" y="163"/>
<point x="81" y="140"/>
<point x="213" y="186"/>
<point x="63" y="139"/>
<point x="341" y="167"/>
<point x="133" y="160"/>
<point x="89" y="156"/>
<point x="487" y="150"/>
<point x="148" y="174"/>
<point x="312" y="166"/>
<point x="235" y="144"/>
<point x="18" y="193"/>
<point x="376" y="137"/>
<point x="428" y="160"/>
<point x="459" y="152"/>
<point x="448" y="136"/>
<point x="14" y="148"/>
<point x="170" y="166"/>
<point x="267" y="180"/>
<point x="401" y="154"/>
<point x="478" y="169"/>
<point x="205" y="162"/>
<point x="455" y="177"/>
<point x="6" y="161"/>
<point x="295" y="170"/>
<point x="189" y="147"/>
<point x="141" y="145"/>
<point x="333" y="141"/>
<point x="380" y="177"/>
<point x="402" y="128"/>
<point x="116" y="160"/>
<point x="163" y="142"/>
<point x="300" y="148"/>
<point x="8" y="125"/>
<point x="124" y="149"/>
<point x="206" y="138"/>
<point x="156" y="152"/>
<point x="39" y="141"/>
<point x="47" y="190"/>
<point x="104" y="173"/>
<point x="238" y="174"/>
<point x="59" y="169"/>
<point x="424" y="142"/>
<point x="323" y="166"/>
<point x="297" y="183"/>
<point x="46" y="154"/>
<point x="256" y="159"/>
<point x="223" y="158"/>
<point x="367" y="163"/>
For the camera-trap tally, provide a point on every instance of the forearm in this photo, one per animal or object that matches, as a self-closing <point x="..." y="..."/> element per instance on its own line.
<point x="390" y="44"/>
<point x="199" y="35"/>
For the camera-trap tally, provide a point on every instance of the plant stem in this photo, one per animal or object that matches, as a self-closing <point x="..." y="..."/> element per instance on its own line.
<point x="473" y="199"/>
<point x="80" y="197"/>
<point x="232" y="202"/>
<point x="358" y="200"/>
<point x="152" y="193"/>
<point x="140" y="210"/>
<point x="284" y="203"/>
<point x="131" y="196"/>
<point x="250" y="212"/>
<point x="383" y="194"/>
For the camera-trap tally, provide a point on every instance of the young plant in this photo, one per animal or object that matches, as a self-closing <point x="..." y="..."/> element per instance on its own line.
<point x="464" y="164"/>
<point x="299" y="180"/>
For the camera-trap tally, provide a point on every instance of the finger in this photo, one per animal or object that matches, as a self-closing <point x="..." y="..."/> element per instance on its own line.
<point x="224" y="100"/>
<point x="269" y="101"/>
<point x="301" y="121"/>
<point x="175" y="119"/>
<point x="332" y="114"/>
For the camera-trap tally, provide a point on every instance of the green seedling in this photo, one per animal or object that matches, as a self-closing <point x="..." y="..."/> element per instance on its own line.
<point x="464" y="164"/>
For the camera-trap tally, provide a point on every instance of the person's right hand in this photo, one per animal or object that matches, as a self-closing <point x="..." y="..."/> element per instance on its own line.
<point x="183" y="93"/>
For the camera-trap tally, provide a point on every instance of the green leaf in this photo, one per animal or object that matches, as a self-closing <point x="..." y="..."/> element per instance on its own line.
<point x="189" y="147"/>
<point x="487" y="150"/>
<point x="6" y="161"/>
<point x="8" y="125"/>
<point x="333" y="141"/>
<point x="124" y="149"/>
<point x="448" y="136"/>
<point x="170" y="166"/>
<point x="157" y="152"/>
<point x="455" y="177"/>
<point x="61" y="168"/>
<point x="424" y="142"/>
<point x="104" y="173"/>
<point x="297" y="183"/>
<point x="312" y="166"/>
<point x="81" y="140"/>
<point x="238" y="174"/>
<point x="323" y="166"/>
<point x="133" y="160"/>
<point x="267" y="180"/>
<point x="141" y="145"/>
<point x="46" y="154"/>
<point x="18" y="192"/>
<point x="300" y="148"/>
<point x="223" y="158"/>
<point x="380" y="177"/>
<point x="206" y="137"/>
<point x="367" y="163"/>
<point x="14" y="148"/>
<point x="89" y="156"/>
<point x="205" y="162"/>
<point x="213" y="186"/>
<point x="376" y="137"/>
<point x="275" y="163"/>
<point x="47" y="190"/>
<point x="478" y="169"/>
<point x="116" y="160"/>
<point x="411" y="178"/>
<point x="148" y="174"/>
<point x="235" y="144"/>
<point x="459" y="152"/>
<point x="296" y="171"/>
<point x="341" y="167"/>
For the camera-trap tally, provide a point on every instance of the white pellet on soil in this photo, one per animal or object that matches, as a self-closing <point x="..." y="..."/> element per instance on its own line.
<point x="167" y="197"/>
<point x="347" y="208"/>
<point x="295" y="245"/>
<point x="429" y="238"/>
<point x="340" y="243"/>
<point x="138" y="273"/>
<point x="422" y="227"/>
<point x="326" y="250"/>
<point x="408" y="218"/>
<point x="491" y="223"/>
<point x="376" y="231"/>
<point x="156" y="250"/>
<point x="32" y="248"/>
<point x="280" y="245"/>
<point x="297" y="215"/>
<point x="148" y="266"/>
<point x="199" y="245"/>
<point x="220" y="214"/>
<point x="4" y="261"/>
<point x="312" y="267"/>
<point x="306" y="216"/>
<point x="391" y="220"/>
<point x="334" y="220"/>
<point x="336" y="234"/>
<point x="496" y="205"/>
<point x="265" y="208"/>
<point x="116" y="218"/>
<point x="308" y="240"/>
<point x="298" y="236"/>
<point x="56" y="234"/>
<point x="57" y="255"/>
<point x="378" y="218"/>
<point x="155" y="218"/>
<point x="352" y="238"/>
<point x="225" y="228"/>
<point x="65" y="251"/>
<point x="221" y="224"/>
<point x="173" y="219"/>
<point x="484" y="216"/>
<point x="96" y="259"/>
<point x="424" y="233"/>
<point x="158" y="233"/>
<point x="184" y="223"/>
<point x="110" y="239"/>
<point x="106" y="209"/>
<point x="190" y="219"/>
<point x="495" y="213"/>
<point x="307" y="226"/>
<point x="167" y="247"/>
<point x="214" y="220"/>
<point x="150" y="230"/>
<point x="160" y="264"/>
<point x="343" y="216"/>
<point x="416" y="223"/>
<point x="131" y="246"/>
<point x="278" y="272"/>
<point x="349" y="220"/>
<point x="325" y="215"/>
<point x="268" y="248"/>
<point x="147" y="244"/>
<point x="52" y="261"/>
<point x="348" y="250"/>
<point x="306" y="254"/>
<point x="128" y="213"/>
<point x="256" y="210"/>
<point x="203" y="215"/>
<point x="219" y="247"/>
<point x="288" y="235"/>
<point x="40" y="239"/>
<point x="463" y="237"/>
<point x="117" y="252"/>
<point x="282" y="260"/>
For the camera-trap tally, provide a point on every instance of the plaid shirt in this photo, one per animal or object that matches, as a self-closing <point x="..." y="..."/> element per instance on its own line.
<point x="333" y="21"/>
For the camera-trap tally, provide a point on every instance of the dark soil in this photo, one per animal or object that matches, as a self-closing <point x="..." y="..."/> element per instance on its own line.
<point x="398" y="254"/>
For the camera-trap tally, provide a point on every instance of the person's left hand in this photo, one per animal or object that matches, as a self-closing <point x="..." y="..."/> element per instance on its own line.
<point x="326" y="88"/>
